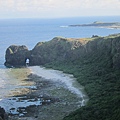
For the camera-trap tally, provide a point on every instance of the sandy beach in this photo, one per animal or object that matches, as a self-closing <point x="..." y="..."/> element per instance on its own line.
<point x="46" y="94"/>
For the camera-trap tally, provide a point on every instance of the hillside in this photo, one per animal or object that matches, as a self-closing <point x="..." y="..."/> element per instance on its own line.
<point x="98" y="70"/>
<point x="57" y="49"/>
<point x="95" y="62"/>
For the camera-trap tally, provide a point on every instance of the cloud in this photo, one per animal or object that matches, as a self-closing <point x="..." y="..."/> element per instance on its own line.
<point x="62" y="7"/>
<point x="6" y="4"/>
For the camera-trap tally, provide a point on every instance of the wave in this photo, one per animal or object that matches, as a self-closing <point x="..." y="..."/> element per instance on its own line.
<point x="2" y="78"/>
<point x="64" y="26"/>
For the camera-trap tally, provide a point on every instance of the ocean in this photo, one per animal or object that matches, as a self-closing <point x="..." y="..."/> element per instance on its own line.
<point x="31" y="31"/>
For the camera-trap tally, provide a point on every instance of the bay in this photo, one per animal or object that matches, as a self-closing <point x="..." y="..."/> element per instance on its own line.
<point x="31" y="31"/>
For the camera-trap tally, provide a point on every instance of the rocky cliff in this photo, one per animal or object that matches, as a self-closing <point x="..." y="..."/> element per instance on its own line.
<point x="16" y="55"/>
<point x="64" y="49"/>
<point x="58" y="49"/>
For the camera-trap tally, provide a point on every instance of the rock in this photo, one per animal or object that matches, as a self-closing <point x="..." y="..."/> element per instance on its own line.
<point x="2" y="113"/>
<point x="16" y="55"/>
<point x="63" y="49"/>
<point x="58" y="49"/>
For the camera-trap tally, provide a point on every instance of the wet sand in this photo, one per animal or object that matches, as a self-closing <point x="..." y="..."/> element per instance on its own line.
<point x="46" y="99"/>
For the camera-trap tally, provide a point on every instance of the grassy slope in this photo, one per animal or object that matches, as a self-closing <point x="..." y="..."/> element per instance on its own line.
<point x="101" y="80"/>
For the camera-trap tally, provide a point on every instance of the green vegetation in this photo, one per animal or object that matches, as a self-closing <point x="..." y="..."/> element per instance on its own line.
<point x="98" y="70"/>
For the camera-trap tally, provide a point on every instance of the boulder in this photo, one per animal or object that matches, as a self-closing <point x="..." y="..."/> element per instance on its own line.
<point x="16" y="55"/>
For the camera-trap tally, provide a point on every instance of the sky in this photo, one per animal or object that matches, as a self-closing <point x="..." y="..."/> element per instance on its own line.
<point x="58" y="8"/>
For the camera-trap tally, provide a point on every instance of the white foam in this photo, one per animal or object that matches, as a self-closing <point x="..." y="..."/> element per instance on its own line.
<point x="64" y="26"/>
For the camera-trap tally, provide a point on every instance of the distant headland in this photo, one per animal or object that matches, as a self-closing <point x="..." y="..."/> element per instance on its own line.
<point x="112" y="25"/>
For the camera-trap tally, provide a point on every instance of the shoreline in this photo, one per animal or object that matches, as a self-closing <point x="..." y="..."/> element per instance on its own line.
<point x="68" y="81"/>
<point x="107" y="27"/>
<point x="53" y="100"/>
<point x="113" y="25"/>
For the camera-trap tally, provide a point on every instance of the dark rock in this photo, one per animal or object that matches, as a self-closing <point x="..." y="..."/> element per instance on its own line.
<point x="2" y="113"/>
<point x="93" y="36"/>
<point x="16" y="55"/>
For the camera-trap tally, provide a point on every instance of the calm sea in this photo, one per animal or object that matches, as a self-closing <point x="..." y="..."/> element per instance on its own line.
<point x="31" y="31"/>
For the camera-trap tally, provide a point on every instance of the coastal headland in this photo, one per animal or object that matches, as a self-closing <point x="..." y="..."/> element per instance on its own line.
<point x="94" y="62"/>
<point x="110" y="25"/>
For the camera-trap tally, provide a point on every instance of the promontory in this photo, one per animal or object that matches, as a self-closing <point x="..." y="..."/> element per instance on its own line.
<point x="112" y="25"/>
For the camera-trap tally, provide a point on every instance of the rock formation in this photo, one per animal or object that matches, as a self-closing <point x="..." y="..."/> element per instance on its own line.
<point x="58" y="49"/>
<point x="64" y="49"/>
<point x="16" y="55"/>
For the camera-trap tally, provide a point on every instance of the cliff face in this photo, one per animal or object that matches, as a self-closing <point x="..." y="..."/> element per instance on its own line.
<point x="58" y="49"/>
<point x="64" y="49"/>
<point x="105" y="49"/>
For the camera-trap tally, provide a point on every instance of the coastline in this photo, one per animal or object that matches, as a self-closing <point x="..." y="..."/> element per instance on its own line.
<point x="54" y="99"/>
<point x="113" y="25"/>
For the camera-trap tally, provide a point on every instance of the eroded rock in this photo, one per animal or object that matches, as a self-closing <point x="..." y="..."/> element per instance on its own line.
<point x="16" y="55"/>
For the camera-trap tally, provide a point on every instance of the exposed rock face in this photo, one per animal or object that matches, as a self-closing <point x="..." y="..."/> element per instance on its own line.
<point x="16" y="55"/>
<point x="106" y="49"/>
<point x="58" y="49"/>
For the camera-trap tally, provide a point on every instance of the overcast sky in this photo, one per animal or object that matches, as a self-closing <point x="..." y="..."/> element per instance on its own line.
<point x="58" y="8"/>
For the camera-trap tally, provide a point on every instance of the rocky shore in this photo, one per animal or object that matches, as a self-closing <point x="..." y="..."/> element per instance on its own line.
<point x="49" y="99"/>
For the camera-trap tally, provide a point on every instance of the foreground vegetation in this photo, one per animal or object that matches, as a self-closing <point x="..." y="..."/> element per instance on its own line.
<point x="101" y="81"/>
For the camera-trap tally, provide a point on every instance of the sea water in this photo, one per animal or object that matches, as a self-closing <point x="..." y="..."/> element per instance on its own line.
<point x="31" y="31"/>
